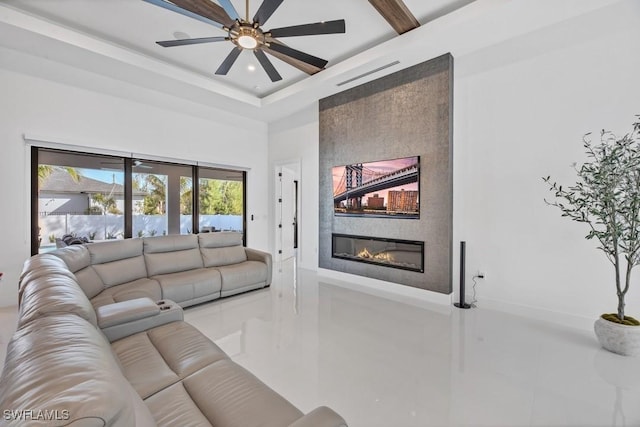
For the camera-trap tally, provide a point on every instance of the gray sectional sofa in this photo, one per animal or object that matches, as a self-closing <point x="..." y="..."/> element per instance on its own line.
<point x="99" y="342"/>
<point x="188" y="269"/>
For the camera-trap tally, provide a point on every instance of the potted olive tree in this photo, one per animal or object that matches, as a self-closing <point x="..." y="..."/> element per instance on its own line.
<point x="606" y="197"/>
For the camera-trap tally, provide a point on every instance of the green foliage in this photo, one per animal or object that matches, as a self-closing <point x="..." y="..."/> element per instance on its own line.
<point x="155" y="201"/>
<point x="186" y="195"/>
<point x="106" y="204"/>
<point x="218" y="197"/>
<point x="94" y="210"/>
<point x="44" y="171"/>
<point x="606" y="197"/>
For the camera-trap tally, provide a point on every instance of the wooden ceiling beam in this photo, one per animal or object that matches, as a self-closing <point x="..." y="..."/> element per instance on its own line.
<point x="397" y="14"/>
<point x="207" y="9"/>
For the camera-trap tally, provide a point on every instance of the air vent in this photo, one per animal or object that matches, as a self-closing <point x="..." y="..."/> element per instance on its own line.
<point x="368" y="73"/>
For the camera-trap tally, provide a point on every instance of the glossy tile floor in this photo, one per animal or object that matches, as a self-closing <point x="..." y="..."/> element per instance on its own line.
<point x="384" y="363"/>
<point x="398" y="362"/>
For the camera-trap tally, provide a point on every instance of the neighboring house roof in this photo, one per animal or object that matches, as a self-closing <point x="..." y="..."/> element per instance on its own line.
<point x="61" y="182"/>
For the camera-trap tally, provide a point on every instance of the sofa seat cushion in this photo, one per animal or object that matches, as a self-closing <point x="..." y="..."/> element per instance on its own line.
<point x="63" y="363"/>
<point x="140" y="288"/>
<point x="230" y="396"/>
<point x="242" y="275"/>
<point x="155" y="359"/>
<point x="174" y="407"/>
<point x="143" y="365"/>
<point x="190" y="285"/>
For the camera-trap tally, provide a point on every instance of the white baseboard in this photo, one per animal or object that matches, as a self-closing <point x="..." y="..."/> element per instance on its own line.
<point x="389" y="290"/>
<point x="568" y="320"/>
<point x="442" y="302"/>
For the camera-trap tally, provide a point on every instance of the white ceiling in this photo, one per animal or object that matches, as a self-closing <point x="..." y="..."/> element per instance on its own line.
<point x="137" y="25"/>
<point x="115" y="41"/>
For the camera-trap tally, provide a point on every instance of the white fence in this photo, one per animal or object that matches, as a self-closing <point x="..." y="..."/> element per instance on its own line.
<point x="101" y="227"/>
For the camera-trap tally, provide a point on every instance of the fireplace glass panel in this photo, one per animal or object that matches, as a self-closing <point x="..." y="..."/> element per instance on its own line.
<point x="394" y="253"/>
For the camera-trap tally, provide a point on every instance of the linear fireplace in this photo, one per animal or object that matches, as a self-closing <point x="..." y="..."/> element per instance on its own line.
<point x="394" y="253"/>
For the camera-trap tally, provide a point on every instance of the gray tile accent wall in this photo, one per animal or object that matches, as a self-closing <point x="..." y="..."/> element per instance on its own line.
<point x="408" y="113"/>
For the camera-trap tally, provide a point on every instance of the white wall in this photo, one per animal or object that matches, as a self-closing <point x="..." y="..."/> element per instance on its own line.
<point x="295" y="139"/>
<point x="520" y="110"/>
<point x="61" y="112"/>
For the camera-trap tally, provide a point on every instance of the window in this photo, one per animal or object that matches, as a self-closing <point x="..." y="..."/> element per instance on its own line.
<point x="162" y="199"/>
<point x="79" y="197"/>
<point x="221" y="197"/>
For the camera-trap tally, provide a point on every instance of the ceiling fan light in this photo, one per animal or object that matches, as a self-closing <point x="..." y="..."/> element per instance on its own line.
<point x="247" y="42"/>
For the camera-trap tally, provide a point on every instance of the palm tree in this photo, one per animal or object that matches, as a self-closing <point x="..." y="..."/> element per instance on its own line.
<point x="154" y="202"/>
<point x="45" y="171"/>
<point x="106" y="203"/>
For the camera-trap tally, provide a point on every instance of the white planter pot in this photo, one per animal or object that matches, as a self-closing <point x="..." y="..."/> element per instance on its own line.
<point x="617" y="338"/>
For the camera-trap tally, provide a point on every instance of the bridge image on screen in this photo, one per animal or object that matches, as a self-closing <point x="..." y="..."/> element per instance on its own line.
<point x="386" y="188"/>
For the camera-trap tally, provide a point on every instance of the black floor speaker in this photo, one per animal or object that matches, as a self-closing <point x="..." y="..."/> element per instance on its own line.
<point x="463" y="249"/>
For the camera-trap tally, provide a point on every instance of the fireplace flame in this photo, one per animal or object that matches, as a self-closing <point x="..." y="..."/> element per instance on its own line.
<point x="382" y="256"/>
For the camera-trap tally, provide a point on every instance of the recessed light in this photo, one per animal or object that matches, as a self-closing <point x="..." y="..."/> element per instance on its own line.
<point x="251" y="67"/>
<point x="181" y="35"/>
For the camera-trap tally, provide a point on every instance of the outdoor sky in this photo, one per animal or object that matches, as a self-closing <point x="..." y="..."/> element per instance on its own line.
<point x="381" y="167"/>
<point x="103" y="175"/>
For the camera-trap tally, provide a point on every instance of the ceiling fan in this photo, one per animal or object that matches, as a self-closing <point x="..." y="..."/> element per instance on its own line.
<point x="120" y="165"/>
<point x="248" y="34"/>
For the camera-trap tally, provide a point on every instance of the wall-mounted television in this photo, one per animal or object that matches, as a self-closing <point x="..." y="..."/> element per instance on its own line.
<point x="381" y="189"/>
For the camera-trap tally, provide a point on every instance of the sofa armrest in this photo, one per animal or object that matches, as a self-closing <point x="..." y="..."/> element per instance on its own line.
<point x="121" y="319"/>
<point x="320" y="417"/>
<point x="126" y="311"/>
<point x="256" y="255"/>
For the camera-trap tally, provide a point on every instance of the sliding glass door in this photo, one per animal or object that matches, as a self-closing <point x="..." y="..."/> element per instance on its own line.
<point x="80" y="198"/>
<point x="83" y="197"/>
<point x="162" y="201"/>
<point x="221" y="197"/>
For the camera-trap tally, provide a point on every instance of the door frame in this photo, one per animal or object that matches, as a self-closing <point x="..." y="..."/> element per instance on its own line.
<point x="294" y="165"/>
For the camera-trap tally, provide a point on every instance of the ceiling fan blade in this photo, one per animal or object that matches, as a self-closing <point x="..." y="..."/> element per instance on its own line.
<point x="224" y="68"/>
<point x="267" y="65"/>
<point x="302" y="66"/>
<point x="328" y="27"/>
<point x="266" y="10"/>
<point x="184" y="42"/>
<point x="296" y="54"/>
<point x="228" y="7"/>
<point x="172" y="7"/>
<point x="397" y="14"/>
<point x="206" y="8"/>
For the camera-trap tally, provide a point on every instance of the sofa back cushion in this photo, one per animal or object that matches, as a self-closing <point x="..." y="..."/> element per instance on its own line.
<point x="41" y="266"/>
<point x="117" y="262"/>
<point x="76" y="257"/>
<point x="78" y="260"/>
<point x="220" y="249"/>
<point x="171" y="254"/>
<point x="52" y="295"/>
<point x="63" y="365"/>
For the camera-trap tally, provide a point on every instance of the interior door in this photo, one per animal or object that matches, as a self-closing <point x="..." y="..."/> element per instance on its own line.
<point x="287" y="212"/>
